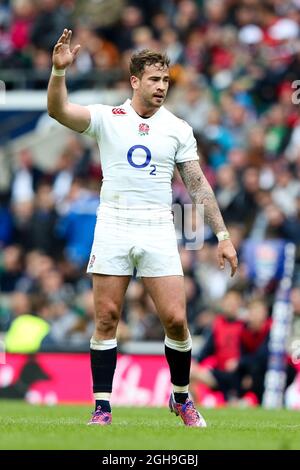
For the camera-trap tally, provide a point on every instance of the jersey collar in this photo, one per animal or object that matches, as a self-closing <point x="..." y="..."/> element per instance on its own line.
<point x="129" y="108"/>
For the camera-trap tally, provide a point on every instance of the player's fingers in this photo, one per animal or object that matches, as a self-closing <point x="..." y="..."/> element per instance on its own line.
<point x="68" y="37"/>
<point x="234" y="264"/>
<point x="63" y="36"/>
<point x="75" y="50"/>
<point x="221" y="261"/>
<point x="57" y="46"/>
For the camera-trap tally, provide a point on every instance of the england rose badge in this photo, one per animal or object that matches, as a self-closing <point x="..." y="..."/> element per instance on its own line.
<point x="144" y="129"/>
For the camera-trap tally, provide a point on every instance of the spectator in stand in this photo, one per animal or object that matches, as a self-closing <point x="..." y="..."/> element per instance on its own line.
<point x="244" y="206"/>
<point x="61" y="319"/>
<point x="6" y="226"/>
<point x="50" y="20"/>
<point x="294" y="340"/>
<point x="26" y="177"/>
<point x="27" y="330"/>
<point x="291" y="226"/>
<point x="81" y="212"/>
<point x="186" y="17"/>
<point x="238" y="123"/>
<point x="205" y="270"/>
<point x="232" y="72"/>
<point x="96" y="51"/>
<point x="242" y="376"/>
<point x="256" y="146"/>
<point x="11" y="268"/>
<point x="196" y="106"/>
<point x="219" y="139"/>
<point x="82" y="329"/>
<point x="172" y="45"/>
<point x="286" y="190"/>
<point x="23" y="12"/>
<point x="64" y="173"/>
<point x="141" y="316"/>
<point x="41" y="226"/>
<point x="223" y="347"/>
<point x="36" y="265"/>
<point x="252" y="364"/>
<point x="54" y="288"/>
<point x="132" y="18"/>
<point x="19" y="304"/>
<point x="277" y="132"/>
<point x="228" y="194"/>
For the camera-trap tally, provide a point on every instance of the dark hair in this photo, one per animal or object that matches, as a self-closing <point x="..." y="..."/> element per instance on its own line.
<point x="146" y="57"/>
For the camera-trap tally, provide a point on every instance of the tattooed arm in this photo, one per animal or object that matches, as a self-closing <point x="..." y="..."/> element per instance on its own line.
<point x="201" y="192"/>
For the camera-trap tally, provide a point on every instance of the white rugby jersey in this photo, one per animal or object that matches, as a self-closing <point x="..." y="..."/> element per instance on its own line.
<point x="138" y="154"/>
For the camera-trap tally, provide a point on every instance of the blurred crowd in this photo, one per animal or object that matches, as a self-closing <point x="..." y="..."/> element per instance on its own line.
<point x="234" y="72"/>
<point x="248" y="46"/>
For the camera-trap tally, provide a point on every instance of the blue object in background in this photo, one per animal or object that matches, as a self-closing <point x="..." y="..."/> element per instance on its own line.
<point x="77" y="228"/>
<point x="6" y="226"/>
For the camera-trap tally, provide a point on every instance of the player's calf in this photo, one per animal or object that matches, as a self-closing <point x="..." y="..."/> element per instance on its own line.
<point x="103" y="364"/>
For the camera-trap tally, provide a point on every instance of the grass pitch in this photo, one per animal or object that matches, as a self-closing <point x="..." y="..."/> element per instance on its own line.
<point x="24" y="426"/>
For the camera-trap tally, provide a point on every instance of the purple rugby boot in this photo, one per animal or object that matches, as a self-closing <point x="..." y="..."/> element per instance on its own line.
<point x="102" y="418"/>
<point x="188" y="413"/>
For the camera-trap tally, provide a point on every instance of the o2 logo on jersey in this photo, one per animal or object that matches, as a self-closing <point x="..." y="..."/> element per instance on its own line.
<point x="148" y="156"/>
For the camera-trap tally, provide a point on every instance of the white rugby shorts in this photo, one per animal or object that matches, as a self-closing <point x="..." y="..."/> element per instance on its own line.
<point x="125" y="240"/>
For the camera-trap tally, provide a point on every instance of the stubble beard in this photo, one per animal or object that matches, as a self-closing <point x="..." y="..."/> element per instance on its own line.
<point x="152" y="103"/>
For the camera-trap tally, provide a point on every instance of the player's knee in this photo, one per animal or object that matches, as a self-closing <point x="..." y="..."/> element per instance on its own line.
<point x="105" y="324"/>
<point x="176" y="327"/>
<point x="107" y="318"/>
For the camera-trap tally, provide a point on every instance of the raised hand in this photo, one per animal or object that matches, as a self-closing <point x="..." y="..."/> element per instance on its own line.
<point x="62" y="55"/>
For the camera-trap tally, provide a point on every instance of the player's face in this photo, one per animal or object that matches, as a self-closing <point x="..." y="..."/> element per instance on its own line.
<point x="153" y="86"/>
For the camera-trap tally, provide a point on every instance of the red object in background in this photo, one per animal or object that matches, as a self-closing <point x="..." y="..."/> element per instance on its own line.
<point x="252" y="340"/>
<point x="65" y="378"/>
<point x="20" y="33"/>
<point x="227" y="340"/>
<point x="139" y="380"/>
<point x="222" y="58"/>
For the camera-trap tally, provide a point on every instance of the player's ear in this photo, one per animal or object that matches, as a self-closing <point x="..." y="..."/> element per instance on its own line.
<point x="135" y="81"/>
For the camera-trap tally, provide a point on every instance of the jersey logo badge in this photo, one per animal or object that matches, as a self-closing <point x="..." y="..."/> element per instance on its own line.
<point x="144" y="129"/>
<point x="118" y="111"/>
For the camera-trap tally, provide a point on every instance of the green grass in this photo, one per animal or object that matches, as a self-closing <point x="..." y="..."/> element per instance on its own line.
<point x="24" y="426"/>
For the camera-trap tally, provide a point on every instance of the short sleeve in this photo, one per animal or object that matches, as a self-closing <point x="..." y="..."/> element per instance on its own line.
<point x="94" y="128"/>
<point x="188" y="148"/>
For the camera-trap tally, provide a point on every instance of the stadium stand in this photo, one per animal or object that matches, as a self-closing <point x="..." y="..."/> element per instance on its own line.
<point x="234" y="72"/>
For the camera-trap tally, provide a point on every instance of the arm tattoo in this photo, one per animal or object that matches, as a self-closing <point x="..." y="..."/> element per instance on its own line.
<point x="200" y="192"/>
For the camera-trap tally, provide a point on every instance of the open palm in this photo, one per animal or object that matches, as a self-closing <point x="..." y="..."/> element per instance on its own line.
<point x="62" y="55"/>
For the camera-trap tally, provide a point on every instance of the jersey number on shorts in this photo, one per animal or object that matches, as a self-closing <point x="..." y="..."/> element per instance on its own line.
<point x="145" y="163"/>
